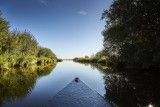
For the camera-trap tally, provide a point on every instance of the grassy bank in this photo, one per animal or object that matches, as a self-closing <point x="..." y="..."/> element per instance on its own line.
<point x="102" y="60"/>
<point x="7" y="62"/>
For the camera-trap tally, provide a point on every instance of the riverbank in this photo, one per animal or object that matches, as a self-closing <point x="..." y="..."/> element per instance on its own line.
<point x="8" y="62"/>
<point x="102" y="60"/>
<point x="21" y="49"/>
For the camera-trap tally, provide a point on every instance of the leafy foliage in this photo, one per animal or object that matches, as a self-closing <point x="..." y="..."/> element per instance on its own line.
<point x="98" y="58"/>
<point x="4" y="30"/>
<point x="45" y="52"/>
<point x="20" y="48"/>
<point x="22" y="43"/>
<point x="132" y="32"/>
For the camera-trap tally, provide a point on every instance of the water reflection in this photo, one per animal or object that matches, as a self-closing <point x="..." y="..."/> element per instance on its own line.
<point x="18" y="83"/>
<point x="34" y="86"/>
<point x="100" y="67"/>
<point x="130" y="89"/>
<point x="133" y="89"/>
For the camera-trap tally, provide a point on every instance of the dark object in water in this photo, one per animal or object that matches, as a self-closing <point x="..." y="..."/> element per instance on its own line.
<point x="77" y="94"/>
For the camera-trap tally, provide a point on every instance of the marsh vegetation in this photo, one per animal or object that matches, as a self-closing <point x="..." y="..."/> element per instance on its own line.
<point x="20" y="48"/>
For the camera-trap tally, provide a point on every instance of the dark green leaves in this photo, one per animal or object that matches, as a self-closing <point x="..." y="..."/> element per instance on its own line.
<point x="132" y="32"/>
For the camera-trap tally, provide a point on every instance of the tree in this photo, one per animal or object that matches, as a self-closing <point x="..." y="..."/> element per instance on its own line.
<point x="20" y="48"/>
<point x="4" y="30"/>
<point x="132" y="32"/>
<point x="45" y="52"/>
<point x="86" y="57"/>
<point x="22" y="43"/>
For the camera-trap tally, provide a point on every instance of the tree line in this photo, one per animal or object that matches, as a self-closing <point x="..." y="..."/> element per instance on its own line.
<point x="132" y="35"/>
<point x="20" y="48"/>
<point x="99" y="57"/>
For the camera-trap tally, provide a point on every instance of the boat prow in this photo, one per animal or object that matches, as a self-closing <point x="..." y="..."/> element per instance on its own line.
<point x="77" y="94"/>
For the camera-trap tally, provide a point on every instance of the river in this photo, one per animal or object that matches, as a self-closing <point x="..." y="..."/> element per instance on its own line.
<point x="33" y="87"/>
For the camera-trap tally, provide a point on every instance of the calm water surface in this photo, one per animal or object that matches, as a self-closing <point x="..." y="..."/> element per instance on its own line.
<point x="35" y="86"/>
<point x="32" y="89"/>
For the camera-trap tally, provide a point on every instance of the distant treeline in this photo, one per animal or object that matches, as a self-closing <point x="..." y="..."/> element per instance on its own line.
<point x="97" y="58"/>
<point x="131" y="35"/>
<point x="20" y="48"/>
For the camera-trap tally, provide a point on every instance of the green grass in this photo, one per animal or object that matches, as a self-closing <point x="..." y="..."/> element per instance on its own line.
<point x="102" y="60"/>
<point x="9" y="61"/>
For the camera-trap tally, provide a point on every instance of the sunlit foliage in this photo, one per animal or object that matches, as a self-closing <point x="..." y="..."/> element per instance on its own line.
<point x="45" y="52"/>
<point x="20" y="48"/>
<point x="4" y="30"/>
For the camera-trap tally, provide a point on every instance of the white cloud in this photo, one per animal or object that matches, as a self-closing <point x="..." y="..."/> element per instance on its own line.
<point x="82" y="13"/>
<point x="43" y="2"/>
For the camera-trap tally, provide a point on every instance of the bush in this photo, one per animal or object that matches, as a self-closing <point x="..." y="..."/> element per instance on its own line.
<point x="3" y="63"/>
<point x="59" y="60"/>
<point x="102" y="60"/>
<point x="20" y="48"/>
<point x="94" y="60"/>
<point x="26" y="61"/>
<point x="45" y="60"/>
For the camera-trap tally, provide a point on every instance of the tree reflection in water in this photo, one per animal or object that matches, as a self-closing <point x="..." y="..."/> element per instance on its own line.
<point x="18" y="83"/>
<point x="133" y="89"/>
<point x="130" y="89"/>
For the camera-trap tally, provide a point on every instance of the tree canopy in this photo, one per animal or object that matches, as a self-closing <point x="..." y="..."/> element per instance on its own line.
<point x="20" y="48"/>
<point x="4" y="30"/>
<point x="132" y="32"/>
<point x="45" y="52"/>
<point x="22" y="43"/>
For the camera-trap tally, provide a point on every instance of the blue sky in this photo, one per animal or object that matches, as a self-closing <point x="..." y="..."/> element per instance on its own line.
<point x="70" y="28"/>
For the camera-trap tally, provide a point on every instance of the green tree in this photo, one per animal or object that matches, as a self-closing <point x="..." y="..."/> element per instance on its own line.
<point x="86" y="57"/>
<point x="132" y="32"/>
<point x="22" y="43"/>
<point x="45" y="52"/>
<point x="20" y="48"/>
<point x="4" y="30"/>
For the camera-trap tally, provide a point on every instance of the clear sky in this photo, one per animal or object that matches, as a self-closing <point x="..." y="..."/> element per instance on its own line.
<point x="70" y="28"/>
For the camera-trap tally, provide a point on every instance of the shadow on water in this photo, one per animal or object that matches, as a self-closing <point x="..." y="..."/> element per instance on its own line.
<point x="18" y="83"/>
<point x="130" y="89"/>
<point x="133" y="89"/>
